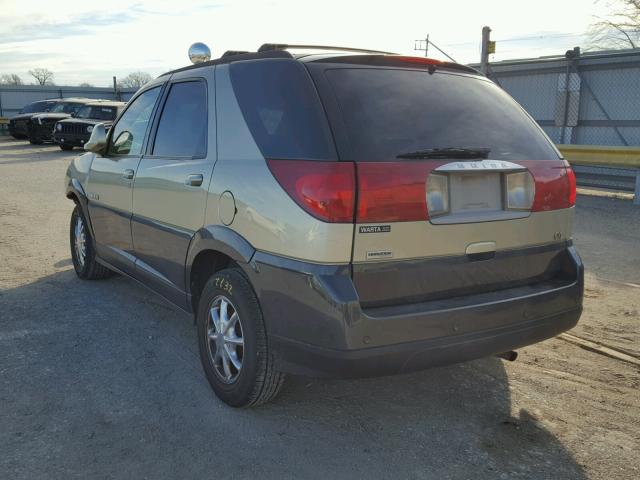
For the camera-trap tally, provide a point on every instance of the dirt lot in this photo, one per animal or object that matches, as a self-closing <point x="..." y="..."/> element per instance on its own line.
<point x="103" y="380"/>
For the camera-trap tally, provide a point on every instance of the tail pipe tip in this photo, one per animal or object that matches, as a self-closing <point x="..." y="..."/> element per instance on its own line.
<point x="511" y="355"/>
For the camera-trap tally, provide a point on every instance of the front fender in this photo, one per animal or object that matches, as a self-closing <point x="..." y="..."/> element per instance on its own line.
<point x="75" y="181"/>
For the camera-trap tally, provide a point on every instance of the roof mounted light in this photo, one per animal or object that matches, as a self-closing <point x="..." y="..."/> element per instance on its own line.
<point x="199" y="52"/>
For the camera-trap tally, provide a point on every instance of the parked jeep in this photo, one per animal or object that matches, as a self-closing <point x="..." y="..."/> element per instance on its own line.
<point x="40" y="126"/>
<point x="337" y="214"/>
<point x="19" y="124"/>
<point x="75" y="131"/>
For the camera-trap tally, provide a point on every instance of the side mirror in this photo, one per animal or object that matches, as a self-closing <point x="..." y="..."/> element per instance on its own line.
<point x="98" y="140"/>
<point x="73" y="115"/>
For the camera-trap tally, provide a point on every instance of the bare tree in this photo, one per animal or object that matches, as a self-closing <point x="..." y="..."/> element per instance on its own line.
<point x="619" y="29"/>
<point x="43" y="76"/>
<point x="10" y="79"/>
<point x="135" y="80"/>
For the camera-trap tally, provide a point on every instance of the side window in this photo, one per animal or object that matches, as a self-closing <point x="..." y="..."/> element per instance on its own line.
<point x="182" y="130"/>
<point x="282" y="109"/>
<point x="128" y="133"/>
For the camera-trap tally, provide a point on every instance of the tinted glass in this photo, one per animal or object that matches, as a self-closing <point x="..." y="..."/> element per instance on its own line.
<point x="37" y="107"/>
<point x="66" y="107"/>
<point x="182" y="130"/>
<point x="128" y="134"/>
<point x="282" y="109"/>
<point x="391" y="111"/>
<point x="97" y="112"/>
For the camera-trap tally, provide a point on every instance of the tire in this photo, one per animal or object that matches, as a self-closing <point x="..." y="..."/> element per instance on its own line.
<point x="84" y="259"/>
<point x="66" y="148"/>
<point x="256" y="381"/>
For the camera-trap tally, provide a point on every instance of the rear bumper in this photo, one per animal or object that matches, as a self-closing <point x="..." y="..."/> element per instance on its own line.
<point x="317" y="326"/>
<point x="305" y="359"/>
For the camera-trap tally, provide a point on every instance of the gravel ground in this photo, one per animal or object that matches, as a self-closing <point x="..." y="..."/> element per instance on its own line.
<point x="103" y="380"/>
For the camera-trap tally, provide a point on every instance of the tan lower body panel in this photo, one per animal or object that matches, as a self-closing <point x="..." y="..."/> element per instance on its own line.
<point x="407" y="240"/>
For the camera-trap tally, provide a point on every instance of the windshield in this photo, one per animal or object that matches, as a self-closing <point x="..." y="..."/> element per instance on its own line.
<point x="37" y="107"/>
<point x="66" y="107"/>
<point x="391" y="112"/>
<point x="97" y="112"/>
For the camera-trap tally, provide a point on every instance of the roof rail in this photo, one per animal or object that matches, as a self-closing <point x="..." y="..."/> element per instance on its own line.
<point x="229" y="53"/>
<point x="283" y="46"/>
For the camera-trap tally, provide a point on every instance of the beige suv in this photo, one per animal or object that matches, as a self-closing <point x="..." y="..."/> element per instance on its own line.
<point x="343" y="214"/>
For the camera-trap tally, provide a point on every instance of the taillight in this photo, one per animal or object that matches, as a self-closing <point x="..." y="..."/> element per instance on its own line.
<point x="325" y="190"/>
<point x="392" y="191"/>
<point x="555" y="185"/>
<point x="571" y="176"/>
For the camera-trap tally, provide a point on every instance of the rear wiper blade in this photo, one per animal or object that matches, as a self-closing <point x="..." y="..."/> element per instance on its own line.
<point x="449" y="152"/>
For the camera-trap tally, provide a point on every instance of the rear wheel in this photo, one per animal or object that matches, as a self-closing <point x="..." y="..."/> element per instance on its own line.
<point x="66" y="148"/>
<point x="82" y="252"/>
<point x="233" y="342"/>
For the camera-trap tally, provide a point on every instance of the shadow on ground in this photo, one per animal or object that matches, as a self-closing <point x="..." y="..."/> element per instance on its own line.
<point x="102" y="380"/>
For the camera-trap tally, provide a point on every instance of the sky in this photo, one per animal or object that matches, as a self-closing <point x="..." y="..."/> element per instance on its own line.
<point x="87" y="41"/>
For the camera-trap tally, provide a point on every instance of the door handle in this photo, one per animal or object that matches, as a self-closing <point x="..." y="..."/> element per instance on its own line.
<point x="194" y="180"/>
<point x="128" y="174"/>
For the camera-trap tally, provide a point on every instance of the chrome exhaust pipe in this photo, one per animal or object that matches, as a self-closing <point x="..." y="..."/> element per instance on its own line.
<point x="511" y="355"/>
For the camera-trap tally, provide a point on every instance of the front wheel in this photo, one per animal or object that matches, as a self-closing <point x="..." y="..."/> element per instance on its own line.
<point x="82" y="252"/>
<point x="66" y="148"/>
<point x="233" y="342"/>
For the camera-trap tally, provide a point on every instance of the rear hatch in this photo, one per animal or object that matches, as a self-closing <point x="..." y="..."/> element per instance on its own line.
<point x="458" y="190"/>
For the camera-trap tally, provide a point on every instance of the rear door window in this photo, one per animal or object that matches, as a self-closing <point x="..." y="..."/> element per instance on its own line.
<point x="392" y="111"/>
<point x="182" y="130"/>
<point x="282" y="110"/>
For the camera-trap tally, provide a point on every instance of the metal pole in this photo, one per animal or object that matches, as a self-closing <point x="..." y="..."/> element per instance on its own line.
<point x="115" y="89"/>
<point x="567" y="76"/>
<point x="426" y="47"/>
<point x="484" y="53"/>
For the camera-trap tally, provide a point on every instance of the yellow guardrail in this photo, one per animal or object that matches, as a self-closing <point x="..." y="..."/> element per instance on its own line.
<point x="626" y="157"/>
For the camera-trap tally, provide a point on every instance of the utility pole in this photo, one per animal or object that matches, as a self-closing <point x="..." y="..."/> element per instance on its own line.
<point x="417" y="45"/>
<point x="115" y="89"/>
<point x="486" y="50"/>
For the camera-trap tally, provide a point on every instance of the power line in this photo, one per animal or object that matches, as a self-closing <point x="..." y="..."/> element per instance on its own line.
<point x="519" y="39"/>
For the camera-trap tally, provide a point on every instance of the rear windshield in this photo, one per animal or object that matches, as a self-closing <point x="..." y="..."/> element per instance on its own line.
<point x="282" y="110"/>
<point x="388" y="112"/>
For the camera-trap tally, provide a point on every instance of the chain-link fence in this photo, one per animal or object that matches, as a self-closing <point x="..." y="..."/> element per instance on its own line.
<point x="588" y="98"/>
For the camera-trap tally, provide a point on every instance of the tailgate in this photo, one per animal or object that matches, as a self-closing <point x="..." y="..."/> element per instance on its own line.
<point x="458" y="190"/>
